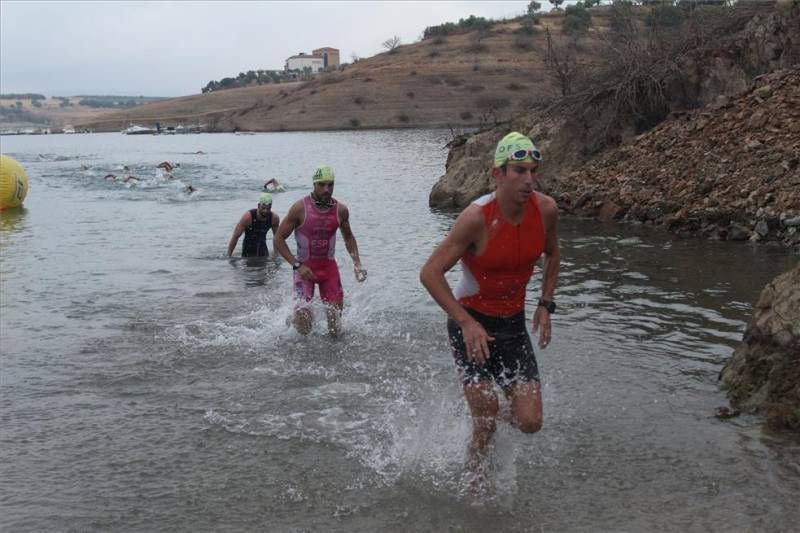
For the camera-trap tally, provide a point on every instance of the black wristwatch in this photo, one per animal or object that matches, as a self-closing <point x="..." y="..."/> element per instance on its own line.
<point x="547" y="304"/>
<point x="296" y="265"/>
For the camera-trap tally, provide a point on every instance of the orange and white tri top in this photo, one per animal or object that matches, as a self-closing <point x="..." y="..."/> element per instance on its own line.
<point x="494" y="282"/>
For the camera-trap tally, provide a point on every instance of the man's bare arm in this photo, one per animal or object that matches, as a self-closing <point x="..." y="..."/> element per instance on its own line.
<point x="552" y="250"/>
<point x="552" y="263"/>
<point x="276" y="222"/>
<point x="292" y="220"/>
<point x="241" y="226"/>
<point x="459" y="241"/>
<point x="350" y="242"/>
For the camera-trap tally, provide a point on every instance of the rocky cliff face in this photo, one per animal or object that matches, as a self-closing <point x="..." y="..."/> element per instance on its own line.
<point x="764" y="373"/>
<point x="728" y="170"/>
<point x="469" y="163"/>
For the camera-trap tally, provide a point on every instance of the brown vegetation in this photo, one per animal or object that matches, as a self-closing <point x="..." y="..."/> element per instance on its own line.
<point x="689" y="174"/>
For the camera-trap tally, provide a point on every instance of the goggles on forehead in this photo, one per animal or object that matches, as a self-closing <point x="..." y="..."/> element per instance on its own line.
<point x="522" y="155"/>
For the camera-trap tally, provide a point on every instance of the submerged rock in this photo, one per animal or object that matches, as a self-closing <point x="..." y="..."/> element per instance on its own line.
<point x="764" y="373"/>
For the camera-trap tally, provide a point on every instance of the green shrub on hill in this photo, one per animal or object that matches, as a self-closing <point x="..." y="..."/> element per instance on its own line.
<point x="577" y="19"/>
<point x="254" y="77"/>
<point x="464" y="25"/>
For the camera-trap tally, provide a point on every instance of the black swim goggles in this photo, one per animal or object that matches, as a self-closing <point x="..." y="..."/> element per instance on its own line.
<point x="522" y="155"/>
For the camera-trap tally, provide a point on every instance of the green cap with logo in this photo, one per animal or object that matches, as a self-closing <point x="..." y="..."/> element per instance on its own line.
<point x="323" y="174"/>
<point x="265" y="198"/>
<point x="511" y="143"/>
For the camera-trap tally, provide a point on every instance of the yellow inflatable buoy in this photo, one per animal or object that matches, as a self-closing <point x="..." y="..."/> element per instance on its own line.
<point x="13" y="183"/>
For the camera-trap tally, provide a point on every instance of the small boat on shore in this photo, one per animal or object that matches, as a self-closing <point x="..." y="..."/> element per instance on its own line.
<point x="135" y="129"/>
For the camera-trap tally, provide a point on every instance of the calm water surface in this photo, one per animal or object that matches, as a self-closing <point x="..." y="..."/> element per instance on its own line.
<point x="147" y="382"/>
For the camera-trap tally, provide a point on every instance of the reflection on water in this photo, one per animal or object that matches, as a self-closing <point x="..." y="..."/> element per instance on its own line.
<point x="11" y="220"/>
<point x="256" y="271"/>
<point x="150" y="382"/>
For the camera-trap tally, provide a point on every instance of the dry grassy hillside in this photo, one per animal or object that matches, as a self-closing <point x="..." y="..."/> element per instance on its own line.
<point x="51" y="113"/>
<point x="466" y="79"/>
<point x="198" y="108"/>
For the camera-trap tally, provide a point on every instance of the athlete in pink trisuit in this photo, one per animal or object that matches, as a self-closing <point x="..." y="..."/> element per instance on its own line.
<point x="314" y="221"/>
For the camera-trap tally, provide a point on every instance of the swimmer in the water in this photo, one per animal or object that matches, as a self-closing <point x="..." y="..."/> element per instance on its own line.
<point x="273" y="185"/>
<point x="166" y="165"/>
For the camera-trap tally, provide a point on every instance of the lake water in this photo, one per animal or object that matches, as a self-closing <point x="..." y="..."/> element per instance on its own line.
<point x="149" y="383"/>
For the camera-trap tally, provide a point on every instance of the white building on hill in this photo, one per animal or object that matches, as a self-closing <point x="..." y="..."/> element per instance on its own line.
<point x="302" y="60"/>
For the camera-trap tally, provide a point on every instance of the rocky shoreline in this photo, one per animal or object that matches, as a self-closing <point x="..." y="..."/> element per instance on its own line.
<point x="726" y="167"/>
<point x="763" y="375"/>
<point x="729" y="171"/>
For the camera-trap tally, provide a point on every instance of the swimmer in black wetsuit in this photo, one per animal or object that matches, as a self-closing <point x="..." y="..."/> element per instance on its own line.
<point x="255" y="224"/>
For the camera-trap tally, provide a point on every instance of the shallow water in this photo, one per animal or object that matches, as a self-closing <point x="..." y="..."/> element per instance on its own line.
<point x="147" y="382"/>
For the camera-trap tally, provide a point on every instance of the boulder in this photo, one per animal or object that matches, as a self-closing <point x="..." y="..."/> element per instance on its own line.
<point x="763" y="375"/>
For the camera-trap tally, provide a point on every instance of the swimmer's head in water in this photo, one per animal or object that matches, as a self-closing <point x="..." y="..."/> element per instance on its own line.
<point x="265" y="198"/>
<point x="323" y="174"/>
<point x="516" y="147"/>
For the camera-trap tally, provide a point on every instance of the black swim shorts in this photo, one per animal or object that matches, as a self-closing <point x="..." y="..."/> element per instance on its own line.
<point x="511" y="356"/>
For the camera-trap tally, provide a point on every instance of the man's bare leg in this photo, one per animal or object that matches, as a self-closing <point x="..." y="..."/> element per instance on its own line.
<point x="334" y="312"/>
<point x="526" y="406"/>
<point x="483" y="406"/>
<point x="303" y="320"/>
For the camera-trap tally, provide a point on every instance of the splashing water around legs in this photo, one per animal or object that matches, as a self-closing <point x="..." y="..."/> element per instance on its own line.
<point x="334" y="314"/>
<point x="483" y="406"/>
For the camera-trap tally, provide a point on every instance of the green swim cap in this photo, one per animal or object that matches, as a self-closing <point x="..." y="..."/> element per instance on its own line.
<point x="323" y="174"/>
<point x="265" y="198"/>
<point x="511" y="146"/>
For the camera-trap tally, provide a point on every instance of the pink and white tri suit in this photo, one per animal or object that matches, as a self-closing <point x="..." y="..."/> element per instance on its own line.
<point x="316" y="246"/>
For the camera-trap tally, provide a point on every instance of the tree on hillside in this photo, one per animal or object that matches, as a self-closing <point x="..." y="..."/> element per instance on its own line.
<point x="533" y="8"/>
<point x="391" y="44"/>
<point x="577" y="19"/>
<point x="561" y="64"/>
<point x="475" y="23"/>
<point x="557" y="3"/>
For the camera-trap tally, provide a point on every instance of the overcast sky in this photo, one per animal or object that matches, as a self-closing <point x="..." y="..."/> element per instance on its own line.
<point x="134" y="48"/>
